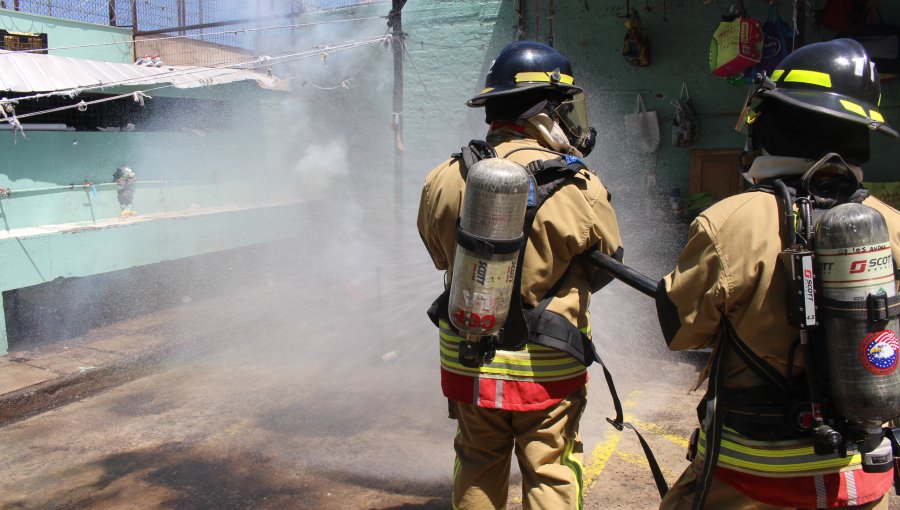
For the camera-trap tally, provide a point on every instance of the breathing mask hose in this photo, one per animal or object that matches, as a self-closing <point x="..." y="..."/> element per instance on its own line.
<point x="798" y="262"/>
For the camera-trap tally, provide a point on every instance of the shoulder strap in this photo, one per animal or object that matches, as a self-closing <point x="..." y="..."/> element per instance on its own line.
<point x="549" y="177"/>
<point x="473" y="153"/>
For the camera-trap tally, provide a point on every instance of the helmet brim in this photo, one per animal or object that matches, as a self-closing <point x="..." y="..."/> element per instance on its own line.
<point x="835" y="105"/>
<point x="480" y="99"/>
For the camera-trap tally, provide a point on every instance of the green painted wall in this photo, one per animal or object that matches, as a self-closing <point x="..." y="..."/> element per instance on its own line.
<point x="65" y="34"/>
<point x="227" y="163"/>
<point x="448" y="48"/>
<point x="451" y="43"/>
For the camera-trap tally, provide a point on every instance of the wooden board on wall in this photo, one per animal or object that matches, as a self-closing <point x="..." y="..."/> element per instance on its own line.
<point x="716" y="171"/>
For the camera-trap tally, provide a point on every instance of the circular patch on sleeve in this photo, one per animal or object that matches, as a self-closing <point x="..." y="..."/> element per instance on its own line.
<point x="878" y="352"/>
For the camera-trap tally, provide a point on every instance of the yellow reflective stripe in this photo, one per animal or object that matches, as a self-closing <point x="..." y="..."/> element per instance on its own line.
<point x="570" y="459"/>
<point x="876" y="116"/>
<point x="533" y="363"/>
<point x="853" y="107"/>
<point x="777" y="74"/>
<point x="543" y="76"/>
<point x="810" y="77"/>
<point x="786" y="468"/>
<point x="503" y="358"/>
<point x="502" y="370"/>
<point x="787" y="452"/>
<point x="775" y="459"/>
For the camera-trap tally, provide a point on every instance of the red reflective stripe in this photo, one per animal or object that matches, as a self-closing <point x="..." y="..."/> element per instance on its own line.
<point x="800" y="491"/>
<point x="515" y="395"/>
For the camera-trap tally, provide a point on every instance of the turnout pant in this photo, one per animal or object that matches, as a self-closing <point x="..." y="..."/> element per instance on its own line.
<point x="723" y="496"/>
<point x="547" y="445"/>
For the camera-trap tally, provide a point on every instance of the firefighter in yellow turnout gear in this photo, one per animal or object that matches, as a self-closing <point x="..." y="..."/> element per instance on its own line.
<point x="529" y="400"/>
<point x="729" y="291"/>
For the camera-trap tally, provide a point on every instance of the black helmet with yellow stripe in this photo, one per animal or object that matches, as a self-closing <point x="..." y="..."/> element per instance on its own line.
<point x="527" y="66"/>
<point x="835" y="78"/>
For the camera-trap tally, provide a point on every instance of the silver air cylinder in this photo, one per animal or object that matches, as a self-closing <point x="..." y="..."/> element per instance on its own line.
<point x="853" y="253"/>
<point x="493" y="211"/>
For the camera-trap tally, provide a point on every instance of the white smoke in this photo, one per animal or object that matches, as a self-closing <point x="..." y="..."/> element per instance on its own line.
<point x="319" y="167"/>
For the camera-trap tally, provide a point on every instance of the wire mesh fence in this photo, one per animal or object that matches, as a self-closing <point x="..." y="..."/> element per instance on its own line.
<point x="191" y="32"/>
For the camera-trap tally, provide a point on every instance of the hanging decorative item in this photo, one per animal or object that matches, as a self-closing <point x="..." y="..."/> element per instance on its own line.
<point x="778" y="42"/>
<point x="736" y="44"/>
<point x="124" y="178"/>
<point x="636" y="47"/>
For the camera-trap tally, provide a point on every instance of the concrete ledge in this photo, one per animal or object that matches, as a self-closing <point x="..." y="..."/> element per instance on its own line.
<point x="20" y="404"/>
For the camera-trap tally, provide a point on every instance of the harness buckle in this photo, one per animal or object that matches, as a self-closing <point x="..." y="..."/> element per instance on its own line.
<point x="877" y="307"/>
<point x="475" y="354"/>
<point x="618" y="425"/>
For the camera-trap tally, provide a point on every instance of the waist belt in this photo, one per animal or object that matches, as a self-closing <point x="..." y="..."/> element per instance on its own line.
<point x="531" y="363"/>
<point x="546" y="328"/>
<point x="793" y="457"/>
<point x="760" y="414"/>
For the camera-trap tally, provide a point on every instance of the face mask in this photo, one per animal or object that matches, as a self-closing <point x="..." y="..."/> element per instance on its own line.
<point x="551" y="132"/>
<point x="572" y="114"/>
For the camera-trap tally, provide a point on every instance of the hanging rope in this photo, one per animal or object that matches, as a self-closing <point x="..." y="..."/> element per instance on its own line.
<point x="82" y="105"/>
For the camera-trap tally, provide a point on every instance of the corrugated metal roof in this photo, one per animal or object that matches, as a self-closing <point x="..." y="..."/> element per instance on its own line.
<point x="36" y="73"/>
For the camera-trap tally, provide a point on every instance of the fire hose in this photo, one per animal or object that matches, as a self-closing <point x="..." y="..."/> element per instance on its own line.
<point x="629" y="276"/>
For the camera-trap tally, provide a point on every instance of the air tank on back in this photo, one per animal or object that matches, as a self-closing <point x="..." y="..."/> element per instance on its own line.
<point x="493" y="211"/>
<point x="853" y="253"/>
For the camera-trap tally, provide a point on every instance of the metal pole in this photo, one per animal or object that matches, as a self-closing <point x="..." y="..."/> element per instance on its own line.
<point x="182" y="15"/>
<point x="395" y="23"/>
<point x="112" y="13"/>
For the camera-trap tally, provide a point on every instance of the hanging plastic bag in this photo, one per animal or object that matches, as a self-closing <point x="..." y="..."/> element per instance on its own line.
<point x="881" y="42"/>
<point x="685" y="126"/>
<point x="636" y="47"/>
<point x="736" y="44"/>
<point x="642" y="128"/>
<point x="842" y="15"/>
<point x="778" y="42"/>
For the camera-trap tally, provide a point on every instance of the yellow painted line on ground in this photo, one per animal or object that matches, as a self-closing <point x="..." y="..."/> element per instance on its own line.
<point x="638" y="459"/>
<point x="659" y="430"/>
<point x="604" y="451"/>
<point x="232" y="430"/>
<point x="609" y="446"/>
<point x="599" y="457"/>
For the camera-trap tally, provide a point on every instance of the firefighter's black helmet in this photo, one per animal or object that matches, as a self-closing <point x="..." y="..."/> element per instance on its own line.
<point x="527" y="66"/>
<point x="835" y="78"/>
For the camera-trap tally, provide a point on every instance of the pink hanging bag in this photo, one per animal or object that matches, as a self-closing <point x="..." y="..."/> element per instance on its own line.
<point x="736" y="44"/>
